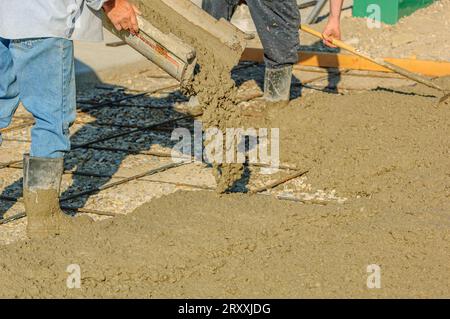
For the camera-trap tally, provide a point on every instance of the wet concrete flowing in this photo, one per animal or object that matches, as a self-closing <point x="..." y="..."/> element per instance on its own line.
<point x="212" y="85"/>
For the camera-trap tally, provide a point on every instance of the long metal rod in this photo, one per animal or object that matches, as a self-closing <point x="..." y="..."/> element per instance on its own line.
<point x="296" y="200"/>
<point x="306" y="4"/>
<point x="16" y="127"/>
<point x="277" y="183"/>
<point x="163" y="107"/>
<point x="369" y="74"/>
<point x="12" y="218"/>
<point x="16" y="165"/>
<point x="144" y="128"/>
<point x="92" y="174"/>
<point x="95" y="106"/>
<point x="6" y="165"/>
<point x="159" y="129"/>
<point x="67" y="208"/>
<point x="123" y="181"/>
<point x="78" y="210"/>
<point x="316" y="11"/>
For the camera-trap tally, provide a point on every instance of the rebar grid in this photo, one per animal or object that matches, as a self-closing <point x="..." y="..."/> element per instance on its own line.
<point x="135" y="129"/>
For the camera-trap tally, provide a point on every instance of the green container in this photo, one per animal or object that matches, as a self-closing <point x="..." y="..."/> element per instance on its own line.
<point x="391" y="10"/>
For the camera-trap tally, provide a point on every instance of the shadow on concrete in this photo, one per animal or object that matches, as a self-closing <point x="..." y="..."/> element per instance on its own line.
<point x="97" y="129"/>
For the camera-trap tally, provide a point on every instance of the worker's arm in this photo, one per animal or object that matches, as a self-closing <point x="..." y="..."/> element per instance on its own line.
<point x="333" y="27"/>
<point x="122" y="14"/>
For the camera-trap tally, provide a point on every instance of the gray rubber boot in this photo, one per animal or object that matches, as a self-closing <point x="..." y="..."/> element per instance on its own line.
<point x="41" y="188"/>
<point x="277" y="84"/>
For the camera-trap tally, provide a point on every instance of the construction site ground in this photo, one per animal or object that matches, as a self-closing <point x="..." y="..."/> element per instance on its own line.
<point x="374" y="148"/>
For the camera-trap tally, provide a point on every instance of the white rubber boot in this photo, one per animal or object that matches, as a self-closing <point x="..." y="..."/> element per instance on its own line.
<point x="277" y="84"/>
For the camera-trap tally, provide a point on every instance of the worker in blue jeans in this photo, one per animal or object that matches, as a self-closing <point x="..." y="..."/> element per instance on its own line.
<point x="277" y="23"/>
<point x="37" y="69"/>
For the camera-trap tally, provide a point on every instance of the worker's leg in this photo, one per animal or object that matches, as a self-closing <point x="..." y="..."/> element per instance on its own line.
<point x="277" y="23"/>
<point x="9" y="89"/>
<point x="46" y="78"/>
<point x="45" y="73"/>
<point x="220" y="8"/>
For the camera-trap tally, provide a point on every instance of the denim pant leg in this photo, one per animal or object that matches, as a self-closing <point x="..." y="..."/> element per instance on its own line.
<point x="46" y="77"/>
<point x="9" y="88"/>
<point x="277" y="23"/>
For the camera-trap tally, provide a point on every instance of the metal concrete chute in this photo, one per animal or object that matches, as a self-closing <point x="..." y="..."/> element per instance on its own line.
<point x="165" y="50"/>
<point x="226" y="32"/>
<point x="171" y="53"/>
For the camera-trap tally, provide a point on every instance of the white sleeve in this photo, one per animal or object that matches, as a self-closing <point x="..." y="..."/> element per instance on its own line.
<point x="95" y="4"/>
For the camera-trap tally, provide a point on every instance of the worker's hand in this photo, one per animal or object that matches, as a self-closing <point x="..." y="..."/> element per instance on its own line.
<point x="332" y="31"/>
<point x="122" y="15"/>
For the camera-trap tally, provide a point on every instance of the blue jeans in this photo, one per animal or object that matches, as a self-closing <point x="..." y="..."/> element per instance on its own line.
<point x="40" y="74"/>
